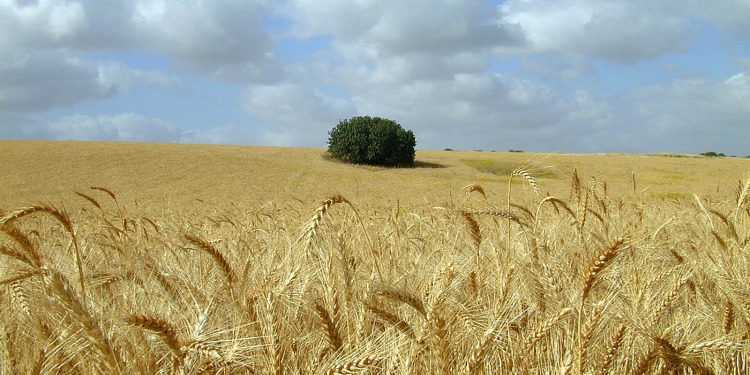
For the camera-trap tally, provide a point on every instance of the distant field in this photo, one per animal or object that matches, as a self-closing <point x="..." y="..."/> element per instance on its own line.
<point x="187" y="259"/>
<point x="165" y="177"/>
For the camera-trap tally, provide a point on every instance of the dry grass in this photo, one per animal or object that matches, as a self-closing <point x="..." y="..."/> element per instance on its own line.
<point x="398" y="271"/>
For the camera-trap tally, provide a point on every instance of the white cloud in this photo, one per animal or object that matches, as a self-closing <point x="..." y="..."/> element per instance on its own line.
<point x="730" y="15"/>
<point x="399" y="40"/>
<point x="225" y="38"/>
<point x="454" y="71"/>
<point x="45" y="80"/>
<point x="32" y="81"/>
<point x="288" y="103"/>
<point x="121" y="127"/>
<point x="685" y="116"/>
<point x="224" y="134"/>
<point x="567" y="66"/>
<point x="207" y="35"/>
<point x="488" y="111"/>
<point x="617" y="30"/>
<point x="83" y="24"/>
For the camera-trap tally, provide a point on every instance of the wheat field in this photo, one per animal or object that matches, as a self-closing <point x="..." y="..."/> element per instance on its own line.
<point x="189" y="259"/>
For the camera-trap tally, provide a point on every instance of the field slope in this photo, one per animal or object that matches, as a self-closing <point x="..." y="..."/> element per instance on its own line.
<point x="190" y="259"/>
<point x="211" y="177"/>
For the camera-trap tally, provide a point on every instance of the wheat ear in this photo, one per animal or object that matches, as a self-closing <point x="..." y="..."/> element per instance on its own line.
<point x="392" y="318"/>
<point x="544" y="330"/>
<point x="441" y="349"/>
<point x="530" y="179"/>
<point x="90" y="199"/>
<point x="30" y="254"/>
<point x="586" y="335"/>
<point x="602" y="260"/>
<point x="612" y="351"/>
<point x="61" y="290"/>
<point x="405" y="297"/>
<point x="475" y="188"/>
<point x="215" y="254"/>
<point x="329" y="324"/>
<point x="709" y="346"/>
<point x="165" y="330"/>
<point x="476" y="235"/>
<point x="727" y="319"/>
<point x="479" y="351"/>
<point x="741" y="198"/>
<point x="314" y="223"/>
<point x="64" y="219"/>
<point x="554" y="201"/>
<point x="353" y="367"/>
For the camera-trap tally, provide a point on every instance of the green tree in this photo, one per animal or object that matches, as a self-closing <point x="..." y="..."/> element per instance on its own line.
<point x="372" y="140"/>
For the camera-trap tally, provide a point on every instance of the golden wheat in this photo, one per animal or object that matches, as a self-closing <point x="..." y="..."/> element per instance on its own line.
<point x="672" y="288"/>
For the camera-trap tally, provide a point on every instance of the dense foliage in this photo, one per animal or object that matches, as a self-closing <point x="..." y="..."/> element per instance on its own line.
<point x="372" y="140"/>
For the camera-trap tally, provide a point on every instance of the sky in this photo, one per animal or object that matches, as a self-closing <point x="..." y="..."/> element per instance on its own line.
<point x="581" y="76"/>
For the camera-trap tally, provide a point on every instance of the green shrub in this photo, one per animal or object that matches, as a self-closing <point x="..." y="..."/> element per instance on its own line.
<point x="713" y="154"/>
<point x="373" y="141"/>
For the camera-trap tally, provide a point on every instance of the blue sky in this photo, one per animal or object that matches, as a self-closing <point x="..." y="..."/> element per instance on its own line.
<point x="538" y="75"/>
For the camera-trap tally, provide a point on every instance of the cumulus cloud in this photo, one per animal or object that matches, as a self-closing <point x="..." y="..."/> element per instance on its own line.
<point x="730" y="15"/>
<point x="299" y="112"/>
<point x="128" y="127"/>
<point x="567" y="66"/>
<point x="225" y="38"/>
<point x="462" y="74"/>
<point x="617" y="30"/>
<point x="32" y="81"/>
<point x="693" y="115"/>
<point x="288" y="102"/>
<point x="488" y="111"/>
<point x="387" y="39"/>
<point x="222" y="134"/>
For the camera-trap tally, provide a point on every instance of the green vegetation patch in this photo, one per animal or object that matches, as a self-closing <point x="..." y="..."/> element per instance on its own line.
<point x="660" y="176"/>
<point x="506" y="168"/>
<point x="490" y="166"/>
<point x="671" y="195"/>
